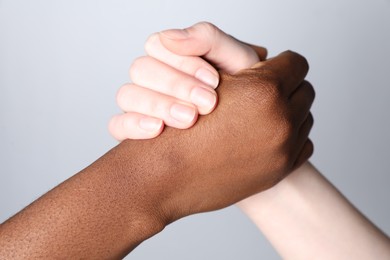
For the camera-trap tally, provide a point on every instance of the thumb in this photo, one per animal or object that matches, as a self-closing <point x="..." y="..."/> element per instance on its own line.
<point x="206" y="40"/>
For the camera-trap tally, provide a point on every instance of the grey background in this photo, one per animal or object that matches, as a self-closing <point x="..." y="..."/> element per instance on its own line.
<point x="61" y="63"/>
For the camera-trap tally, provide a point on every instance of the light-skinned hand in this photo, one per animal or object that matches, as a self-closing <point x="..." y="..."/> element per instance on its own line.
<point x="176" y="82"/>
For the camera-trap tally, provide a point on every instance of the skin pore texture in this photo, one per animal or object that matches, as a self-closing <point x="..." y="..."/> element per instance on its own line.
<point x="137" y="188"/>
<point x="304" y="216"/>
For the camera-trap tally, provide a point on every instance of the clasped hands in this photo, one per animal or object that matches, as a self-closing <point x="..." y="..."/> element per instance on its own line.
<point x="252" y="132"/>
<point x="255" y="132"/>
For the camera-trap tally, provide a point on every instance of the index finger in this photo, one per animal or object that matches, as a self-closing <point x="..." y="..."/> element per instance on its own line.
<point x="207" y="40"/>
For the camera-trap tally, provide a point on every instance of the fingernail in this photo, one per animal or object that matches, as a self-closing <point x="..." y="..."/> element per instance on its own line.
<point x="182" y="113"/>
<point x="203" y="97"/>
<point x="149" y="124"/>
<point x="207" y="77"/>
<point x="175" y="34"/>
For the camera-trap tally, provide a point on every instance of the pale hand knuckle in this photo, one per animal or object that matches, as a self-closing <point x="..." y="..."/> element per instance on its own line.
<point x="207" y="26"/>
<point x="151" y="43"/>
<point x="122" y="96"/>
<point x="137" y="65"/>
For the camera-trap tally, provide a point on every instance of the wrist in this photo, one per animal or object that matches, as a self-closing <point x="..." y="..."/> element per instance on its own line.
<point x="148" y="171"/>
<point x="287" y="193"/>
<point x="135" y="169"/>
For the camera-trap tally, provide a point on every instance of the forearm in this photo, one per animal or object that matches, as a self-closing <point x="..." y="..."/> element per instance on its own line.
<point x="305" y="217"/>
<point x="138" y="187"/>
<point x="103" y="212"/>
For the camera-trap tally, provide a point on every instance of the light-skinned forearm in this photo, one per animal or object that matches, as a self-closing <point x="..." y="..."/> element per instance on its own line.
<point x="305" y="217"/>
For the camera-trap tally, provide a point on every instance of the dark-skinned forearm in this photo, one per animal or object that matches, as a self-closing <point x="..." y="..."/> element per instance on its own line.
<point x="249" y="143"/>
<point x="104" y="211"/>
